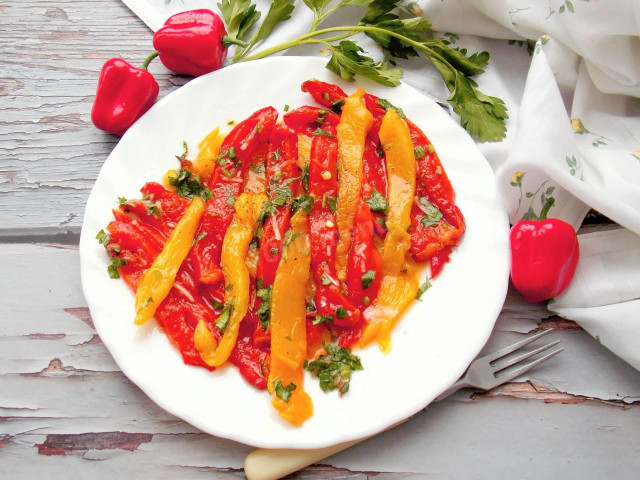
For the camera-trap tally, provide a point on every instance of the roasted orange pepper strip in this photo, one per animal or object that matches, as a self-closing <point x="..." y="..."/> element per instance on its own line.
<point x="400" y="282"/>
<point x="157" y="281"/>
<point x="236" y="276"/>
<point x="288" y="326"/>
<point x="355" y="123"/>
<point x="209" y="149"/>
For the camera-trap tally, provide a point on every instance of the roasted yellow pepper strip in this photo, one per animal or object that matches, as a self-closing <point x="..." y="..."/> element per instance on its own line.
<point x="204" y="341"/>
<point x="236" y="276"/>
<point x="288" y="326"/>
<point x="355" y="123"/>
<point x="400" y="281"/>
<point x="209" y="149"/>
<point x="157" y="281"/>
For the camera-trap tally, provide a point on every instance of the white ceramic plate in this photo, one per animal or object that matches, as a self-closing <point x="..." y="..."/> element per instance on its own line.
<point x="432" y="344"/>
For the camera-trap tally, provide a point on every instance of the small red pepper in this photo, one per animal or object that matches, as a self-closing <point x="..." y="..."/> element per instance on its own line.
<point x="544" y="257"/>
<point x="123" y="95"/>
<point x="191" y="42"/>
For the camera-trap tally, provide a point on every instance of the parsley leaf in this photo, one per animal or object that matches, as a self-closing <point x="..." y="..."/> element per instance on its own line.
<point x="230" y="198"/>
<point x="334" y="369"/>
<point x="423" y="288"/>
<point x="419" y="152"/>
<point x="282" y="392"/>
<point x="225" y="314"/>
<point x="322" y="319"/>
<point x="103" y="238"/>
<point x="376" y="202"/>
<point x="387" y="105"/>
<point x="433" y="217"/>
<point x="325" y="280"/>
<point x="114" y="265"/>
<point x="279" y="11"/>
<point x="481" y="115"/>
<point x="322" y="133"/>
<point x="305" y="177"/>
<point x="187" y="186"/>
<point x="185" y="149"/>
<point x="302" y="202"/>
<point x="347" y="61"/>
<point x="341" y="312"/>
<point x="368" y="278"/>
<point x="289" y="237"/>
<point x="264" y="312"/>
<point x="239" y="17"/>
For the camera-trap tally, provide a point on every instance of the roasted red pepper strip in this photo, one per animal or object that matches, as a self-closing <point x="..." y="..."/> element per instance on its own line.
<point x="226" y="184"/>
<point x="323" y="234"/>
<point x="123" y="95"/>
<point x="252" y="361"/>
<point x="433" y="186"/>
<point x="364" y="267"/>
<point x="284" y="183"/>
<point x="308" y="120"/>
<point x="437" y="261"/>
<point x="325" y="94"/>
<point x="191" y="42"/>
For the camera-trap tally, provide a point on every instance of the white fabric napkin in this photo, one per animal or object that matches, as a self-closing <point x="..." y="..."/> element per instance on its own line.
<point x="573" y="139"/>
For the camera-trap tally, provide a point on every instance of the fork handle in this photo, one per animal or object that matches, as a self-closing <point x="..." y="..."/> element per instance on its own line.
<point x="271" y="464"/>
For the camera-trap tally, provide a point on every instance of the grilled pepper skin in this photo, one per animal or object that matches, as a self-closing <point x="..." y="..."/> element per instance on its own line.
<point x="123" y="95"/>
<point x="355" y="123"/>
<point x="544" y="257"/>
<point x="399" y="284"/>
<point x="288" y="326"/>
<point x="191" y="42"/>
<point x="236" y="275"/>
<point x="160" y="277"/>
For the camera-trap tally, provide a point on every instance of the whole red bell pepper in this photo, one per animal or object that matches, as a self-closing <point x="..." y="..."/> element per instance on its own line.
<point x="123" y="95"/>
<point x="544" y="257"/>
<point x="191" y="42"/>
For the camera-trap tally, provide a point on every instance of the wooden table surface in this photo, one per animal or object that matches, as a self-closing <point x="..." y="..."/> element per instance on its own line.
<point x="66" y="410"/>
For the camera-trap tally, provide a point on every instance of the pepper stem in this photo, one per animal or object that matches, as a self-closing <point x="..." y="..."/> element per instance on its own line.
<point x="228" y="40"/>
<point x="147" y="61"/>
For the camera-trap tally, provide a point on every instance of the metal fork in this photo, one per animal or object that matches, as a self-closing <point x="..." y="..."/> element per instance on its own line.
<point x="488" y="372"/>
<point x="484" y="373"/>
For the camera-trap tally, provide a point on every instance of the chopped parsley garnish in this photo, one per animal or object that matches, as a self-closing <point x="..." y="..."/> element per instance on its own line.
<point x="185" y="149"/>
<point x="286" y="108"/>
<point x="368" y="278"/>
<point x="200" y="236"/>
<point x="122" y="201"/>
<point x="225" y="314"/>
<point x="334" y="369"/>
<point x="322" y="319"/>
<point x="341" y="312"/>
<point x="382" y="222"/>
<point x="217" y="305"/>
<point x="325" y="96"/>
<point x="302" y="202"/>
<point x="258" y="168"/>
<point x="366" y="300"/>
<point x="282" y="392"/>
<point x="103" y="238"/>
<point x="289" y="237"/>
<point x="377" y="203"/>
<point x="322" y="133"/>
<point x="274" y="251"/>
<point x="230" y="198"/>
<point x="423" y="288"/>
<point x="152" y="208"/>
<point x="188" y="186"/>
<point x="387" y="105"/>
<point x="114" y="265"/>
<point x="336" y="105"/>
<point x="264" y="312"/>
<point x="419" y="152"/>
<point x="433" y="216"/>
<point x="305" y="177"/>
<point x="325" y="280"/>
<point x="229" y="287"/>
<point x="331" y="201"/>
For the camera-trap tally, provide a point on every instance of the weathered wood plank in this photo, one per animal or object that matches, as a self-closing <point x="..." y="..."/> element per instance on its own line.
<point x="51" y="153"/>
<point x="63" y="402"/>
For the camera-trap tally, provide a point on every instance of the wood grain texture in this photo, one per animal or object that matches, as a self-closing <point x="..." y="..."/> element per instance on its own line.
<point x="51" y="153"/>
<point x="66" y="407"/>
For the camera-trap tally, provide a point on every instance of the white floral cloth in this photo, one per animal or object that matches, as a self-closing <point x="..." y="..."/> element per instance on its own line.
<point x="573" y="139"/>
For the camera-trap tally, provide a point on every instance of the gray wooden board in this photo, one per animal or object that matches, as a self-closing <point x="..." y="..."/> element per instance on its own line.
<point x="63" y="401"/>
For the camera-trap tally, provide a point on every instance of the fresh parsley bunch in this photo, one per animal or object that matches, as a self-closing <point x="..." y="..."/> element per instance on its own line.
<point x="481" y="115"/>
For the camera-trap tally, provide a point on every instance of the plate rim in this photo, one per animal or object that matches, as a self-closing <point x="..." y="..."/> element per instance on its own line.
<point x="239" y="435"/>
